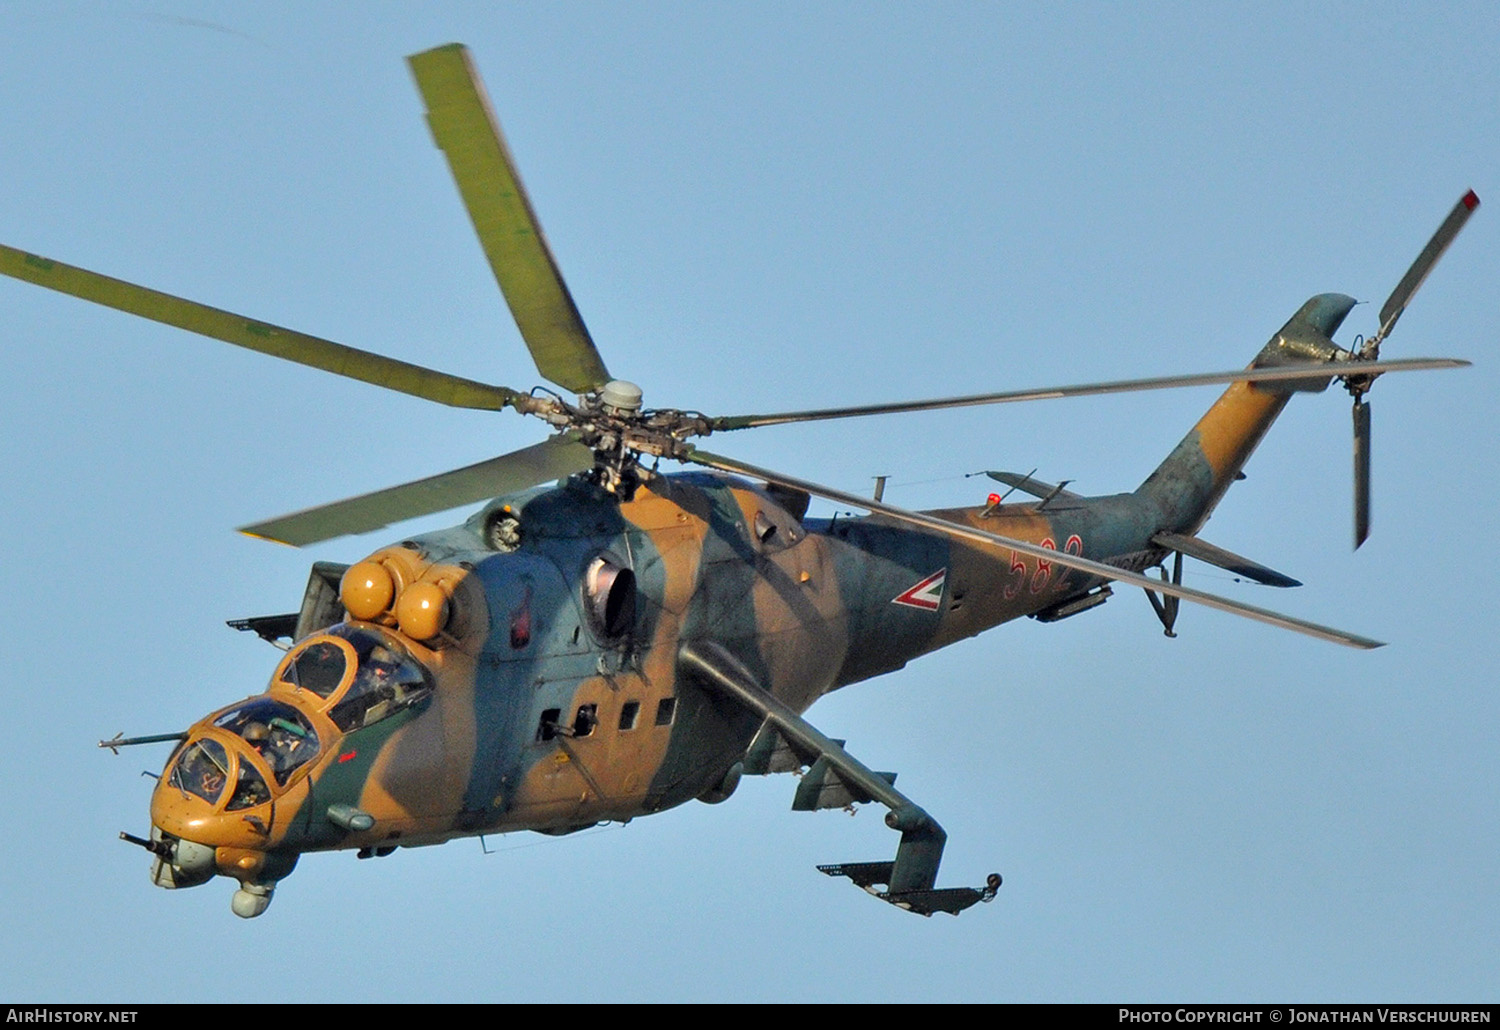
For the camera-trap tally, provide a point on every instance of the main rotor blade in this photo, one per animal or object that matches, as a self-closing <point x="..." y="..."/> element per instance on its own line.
<point x="1415" y="275"/>
<point x="1361" y="471"/>
<point x="1282" y="373"/>
<point x="1093" y="568"/>
<point x="465" y="129"/>
<point x="254" y="335"/>
<point x="554" y="458"/>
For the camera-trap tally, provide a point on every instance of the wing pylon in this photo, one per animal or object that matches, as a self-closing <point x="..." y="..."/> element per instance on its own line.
<point x="910" y="880"/>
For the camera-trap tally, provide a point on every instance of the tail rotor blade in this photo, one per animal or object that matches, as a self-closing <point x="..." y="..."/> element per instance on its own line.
<point x="1414" y="276"/>
<point x="1361" y="471"/>
<point x="1369" y="354"/>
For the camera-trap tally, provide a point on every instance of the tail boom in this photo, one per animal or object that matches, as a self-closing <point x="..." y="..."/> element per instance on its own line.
<point x="1189" y="484"/>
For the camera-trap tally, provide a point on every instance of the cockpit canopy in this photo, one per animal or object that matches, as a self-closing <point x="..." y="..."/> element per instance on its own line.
<point x="276" y="731"/>
<point x="362" y="675"/>
<point x="318" y="667"/>
<point x="355" y="675"/>
<point x="202" y="768"/>
<point x="280" y="735"/>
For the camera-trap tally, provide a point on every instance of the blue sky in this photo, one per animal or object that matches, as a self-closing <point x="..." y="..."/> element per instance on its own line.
<point x="761" y="207"/>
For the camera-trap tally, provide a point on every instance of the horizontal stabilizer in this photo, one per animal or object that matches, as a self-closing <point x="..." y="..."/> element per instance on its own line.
<point x="1028" y="484"/>
<point x="1226" y="560"/>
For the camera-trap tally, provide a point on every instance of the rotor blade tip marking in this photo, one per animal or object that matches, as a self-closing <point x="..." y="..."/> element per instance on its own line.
<point x="261" y="536"/>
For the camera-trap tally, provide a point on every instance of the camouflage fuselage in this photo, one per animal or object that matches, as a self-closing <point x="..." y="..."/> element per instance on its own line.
<point x="555" y="696"/>
<point x="500" y="743"/>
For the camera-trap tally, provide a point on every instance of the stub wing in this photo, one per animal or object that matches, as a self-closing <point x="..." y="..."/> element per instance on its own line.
<point x="838" y="778"/>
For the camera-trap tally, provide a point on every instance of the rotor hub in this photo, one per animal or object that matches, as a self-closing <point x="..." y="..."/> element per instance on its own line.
<point x="620" y="397"/>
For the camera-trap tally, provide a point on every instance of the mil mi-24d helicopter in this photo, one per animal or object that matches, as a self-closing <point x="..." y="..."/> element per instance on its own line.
<point x="603" y="641"/>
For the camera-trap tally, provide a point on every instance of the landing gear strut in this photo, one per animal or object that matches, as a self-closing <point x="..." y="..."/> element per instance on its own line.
<point x="1166" y="608"/>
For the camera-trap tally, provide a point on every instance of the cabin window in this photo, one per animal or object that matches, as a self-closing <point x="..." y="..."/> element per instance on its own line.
<point x="546" y="727"/>
<point x="630" y="712"/>
<point x="585" y="721"/>
<point x="666" y="709"/>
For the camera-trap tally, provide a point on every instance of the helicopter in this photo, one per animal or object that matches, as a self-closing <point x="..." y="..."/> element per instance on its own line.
<point x="603" y="640"/>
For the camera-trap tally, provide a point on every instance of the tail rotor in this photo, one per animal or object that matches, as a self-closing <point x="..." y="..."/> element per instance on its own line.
<point x="1361" y="470"/>
<point x="1359" y="385"/>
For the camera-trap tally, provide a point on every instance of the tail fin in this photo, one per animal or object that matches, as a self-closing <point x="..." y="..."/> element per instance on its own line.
<point x="1189" y="484"/>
